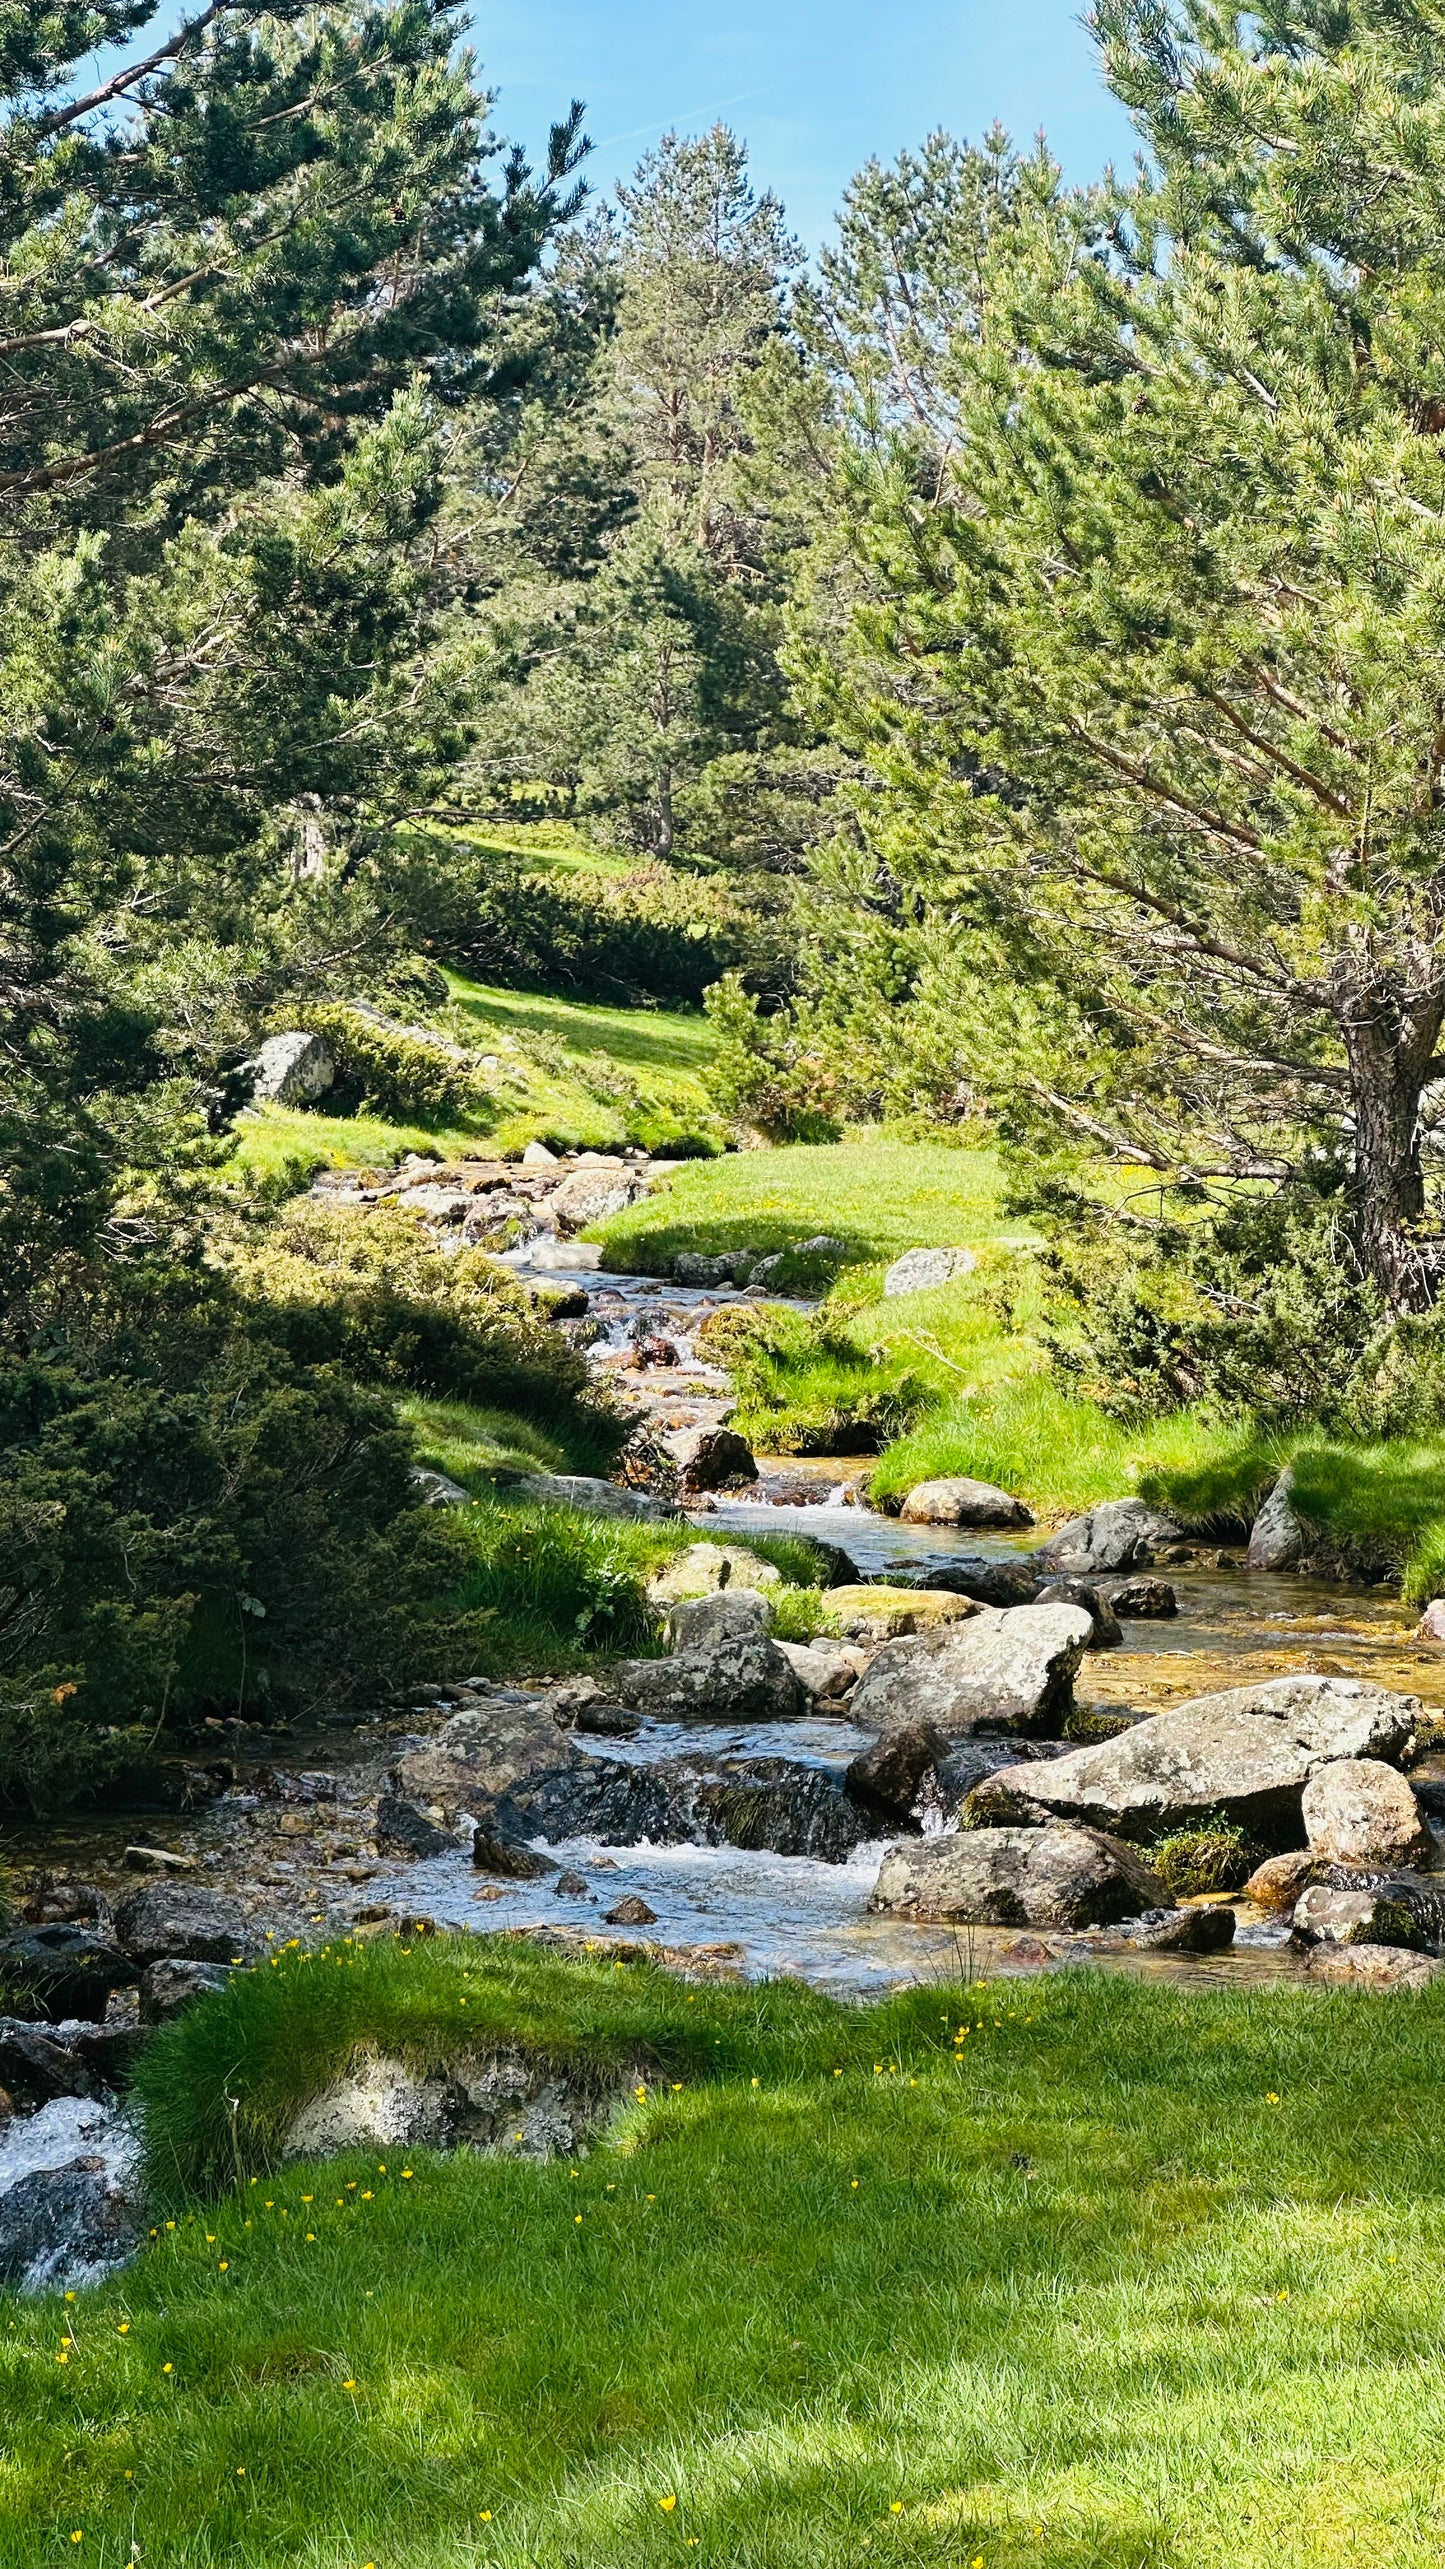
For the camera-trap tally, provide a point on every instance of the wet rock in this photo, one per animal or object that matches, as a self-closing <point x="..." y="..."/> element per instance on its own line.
<point x="111" y="2051"/>
<point x="1325" y="1914"/>
<point x="167" y="1987"/>
<point x="1418" y="1896"/>
<point x="737" y="1679"/>
<point x="483" y="1751"/>
<point x="291" y="1069"/>
<point x="710" y="1458"/>
<point x="1431" y="1626"/>
<point x="1360" y="1811"/>
<point x="769" y="1805"/>
<point x="593" y="1497"/>
<point x="157" y="1859"/>
<point x="631" y="1912"/>
<point x="34" y="2068"/>
<point x="822" y="1670"/>
<point x="1376" y="1967"/>
<point x="1106" y="1634"/>
<point x="706" y="1567"/>
<point x="1277" y="1883"/>
<point x="607" y="1721"/>
<point x="1048" y="1877"/>
<point x="962" y="1502"/>
<point x="1427" y="1783"/>
<point x="729" y="1614"/>
<point x="989" y="1583"/>
<point x="1208" y="1930"/>
<point x="571" y="1885"/>
<point x="509" y="1858"/>
<point x="74" y="2222"/>
<point x="1142" y="1600"/>
<point x="1277" y="1539"/>
<point x="60" y="1971"/>
<point x="922" y="1270"/>
<point x="1122" y="1534"/>
<point x="763" y="1803"/>
<point x="1246" y="1752"/>
<point x="401" y="1829"/>
<point x="50" y="1899"/>
<point x="971" y="1763"/>
<point x="1000" y="1672"/>
<point x="435" y="1490"/>
<point x="183" y="1922"/>
<point x="872" y="1610"/>
<point x="889" y="1776"/>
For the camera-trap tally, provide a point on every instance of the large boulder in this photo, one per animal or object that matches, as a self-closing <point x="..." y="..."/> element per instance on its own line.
<point x="921" y="1270"/>
<point x="962" y="1502"/>
<point x="593" y="1497"/>
<point x="1247" y="1753"/>
<point x="888" y="1776"/>
<point x="710" y="1458"/>
<point x="400" y="1828"/>
<point x="705" y="1567"/>
<point x="1325" y="1914"/>
<point x="61" y="1971"/>
<point x="1359" y="1811"/>
<point x="291" y="1069"/>
<point x="742" y="1678"/>
<point x="1277" y="1540"/>
<point x="1000" y="1672"/>
<point x="729" y="1614"/>
<point x="781" y="1804"/>
<point x="183" y="1922"/>
<point x="483" y="1751"/>
<point x="1053" y="1877"/>
<point x="1122" y="1534"/>
<point x="594" y="1194"/>
<point x="69" y="2196"/>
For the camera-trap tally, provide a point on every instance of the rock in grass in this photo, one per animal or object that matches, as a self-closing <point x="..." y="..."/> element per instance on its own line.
<point x="1359" y="1811"/>
<point x="436" y="1490"/>
<point x="705" y="1567"/>
<point x="58" y="1971"/>
<point x="493" y="1745"/>
<point x="922" y="1270"/>
<point x="1049" y="1877"/>
<point x="729" y="1614"/>
<point x="1122" y="1534"/>
<point x="1000" y="1672"/>
<point x="183" y="1922"/>
<point x="889" y="1776"/>
<point x="1245" y="1755"/>
<point x="291" y="1069"/>
<point x="1277" y="1540"/>
<point x="962" y="1502"/>
<point x="593" y="1497"/>
<point x="1106" y="1634"/>
<point x="401" y="1829"/>
<point x="743" y="1677"/>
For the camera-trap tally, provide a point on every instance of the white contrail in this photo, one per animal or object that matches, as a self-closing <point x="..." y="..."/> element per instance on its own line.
<point x="663" y="124"/>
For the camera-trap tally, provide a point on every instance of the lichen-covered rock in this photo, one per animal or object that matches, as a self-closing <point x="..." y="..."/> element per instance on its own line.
<point x="588" y="1195"/>
<point x="1049" y="1877"/>
<point x="961" y="1501"/>
<point x="483" y="1751"/>
<point x="740" y="1678"/>
<point x="1372" y="1967"/>
<point x="1247" y="1752"/>
<point x="729" y="1614"/>
<point x="1121" y="1534"/>
<point x="593" y="1497"/>
<point x="1359" y="1811"/>
<point x="705" y="1567"/>
<point x="292" y="1068"/>
<point x="923" y="1270"/>
<point x="436" y="1490"/>
<point x="872" y="1610"/>
<point x="1328" y="1915"/>
<point x="1000" y="1672"/>
<point x="1106" y="1634"/>
<point x="823" y="1670"/>
<point x="183" y="1922"/>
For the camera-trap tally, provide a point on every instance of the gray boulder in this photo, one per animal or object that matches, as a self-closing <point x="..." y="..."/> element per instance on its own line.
<point x="920" y="1270"/>
<point x="167" y="1987"/>
<point x="823" y="1669"/>
<point x="704" y="1567"/>
<point x="1376" y="1967"/>
<point x="1359" y="1811"/>
<point x="72" y="2222"/>
<point x="1327" y="1915"/>
<point x="592" y="1496"/>
<point x="708" y="1458"/>
<point x="183" y="1922"/>
<point x="961" y="1501"/>
<point x="691" y="1267"/>
<point x="483" y="1751"/>
<point x="437" y="1490"/>
<point x="1277" y="1540"/>
<point x="1122" y="1534"/>
<point x="61" y="1971"/>
<point x="889" y="1776"/>
<point x="745" y="1677"/>
<point x="989" y="1583"/>
<point x="1106" y="1634"/>
<point x="291" y="1069"/>
<point x="591" y="1195"/>
<point x="510" y="1859"/>
<point x="728" y="1614"/>
<point x="1050" y="1877"/>
<point x="1247" y="1753"/>
<point x="998" y="1672"/>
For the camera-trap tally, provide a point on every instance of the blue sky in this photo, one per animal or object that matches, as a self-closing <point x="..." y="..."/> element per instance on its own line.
<point x="815" y="86"/>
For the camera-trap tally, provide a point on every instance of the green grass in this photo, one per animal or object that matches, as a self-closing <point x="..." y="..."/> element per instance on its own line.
<point x="878" y="1198"/>
<point x="643" y="1038"/>
<point x="1143" y="2279"/>
<point x="471" y="1445"/>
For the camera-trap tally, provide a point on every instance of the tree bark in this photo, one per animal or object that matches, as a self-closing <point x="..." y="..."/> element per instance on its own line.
<point x="1389" y="1045"/>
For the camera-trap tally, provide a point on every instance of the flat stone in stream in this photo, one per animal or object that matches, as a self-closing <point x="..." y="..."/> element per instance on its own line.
<point x="1049" y="1877"/>
<point x="1000" y="1672"/>
<point x="1247" y="1753"/>
<point x="989" y="1583"/>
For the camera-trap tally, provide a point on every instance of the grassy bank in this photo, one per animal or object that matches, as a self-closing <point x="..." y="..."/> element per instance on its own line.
<point x="1125" y="2278"/>
<point x="877" y="1198"/>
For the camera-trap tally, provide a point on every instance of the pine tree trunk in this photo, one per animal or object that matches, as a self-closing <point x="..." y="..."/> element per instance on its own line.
<point x="1390" y="1047"/>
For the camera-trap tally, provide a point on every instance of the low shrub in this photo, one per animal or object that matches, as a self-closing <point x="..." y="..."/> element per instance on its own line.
<point x="805" y="1386"/>
<point x="472" y="1445"/>
<point x="763" y="1077"/>
<point x="385" y="1070"/>
<point x="1216" y="1856"/>
<point x="546" y="1585"/>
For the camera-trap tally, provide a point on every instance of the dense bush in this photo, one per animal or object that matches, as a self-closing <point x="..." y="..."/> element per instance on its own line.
<point x="387" y="1071"/>
<point x="804" y="1386"/>
<point x="765" y="1079"/>
<point x="378" y="1297"/>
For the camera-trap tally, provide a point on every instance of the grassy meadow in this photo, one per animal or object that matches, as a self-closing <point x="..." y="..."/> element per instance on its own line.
<point x="1083" y="2271"/>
